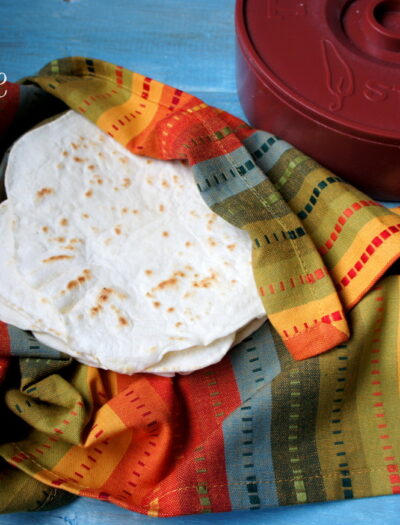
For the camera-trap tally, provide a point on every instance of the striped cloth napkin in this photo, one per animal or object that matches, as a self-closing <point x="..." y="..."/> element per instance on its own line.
<point x="304" y="410"/>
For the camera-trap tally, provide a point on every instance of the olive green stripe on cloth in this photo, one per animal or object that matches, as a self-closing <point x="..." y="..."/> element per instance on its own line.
<point x="295" y="453"/>
<point x="23" y="493"/>
<point x="100" y="76"/>
<point x="357" y="436"/>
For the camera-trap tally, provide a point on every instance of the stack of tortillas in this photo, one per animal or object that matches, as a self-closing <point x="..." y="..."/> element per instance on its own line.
<point x="115" y="259"/>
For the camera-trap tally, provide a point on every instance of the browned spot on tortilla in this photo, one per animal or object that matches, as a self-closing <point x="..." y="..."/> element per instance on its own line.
<point x="187" y="244"/>
<point x="100" y="154"/>
<point x="72" y="284"/>
<point x="85" y="215"/>
<point x="74" y="145"/>
<point x="60" y="239"/>
<point x="165" y="284"/>
<point x="194" y="213"/>
<point x="44" y="191"/>
<point x="171" y="309"/>
<point x="91" y="167"/>
<point x="172" y="281"/>
<point x="124" y="160"/>
<point x="105" y="294"/>
<point x="206" y="282"/>
<point x="189" y="268"/>
<point x="65" y="153"/>
<point x="108" y="241"/>
<point x="44" y="300"/>
<point x="122" y="320"/>
<point x="148" y="294"/>
<point x="124" y="211"/>
<point x="45" y="229"/>
<point x="89" y="193"/>
<point x="75" y="240"/>
<point x="135" y="212"/>
<point x="148" y="272"/>
<point x="79" y="159"/>
<point x="187" y="295"/>
<point x="178" y="324"/>
<point x="212" y="217"/>
<point x="68" y="247"/>
<point x="116" y="188"/>
<point x="175" y="178"/>
<point x="149" y="161"/>
<point x="60" y="166"/>
<point x="157" y="304"/>
<point x="149" y="180"/>
<point x="177" y="338"/>
<point x="117" y="230"/>
<point x="99" y="181"/>
<point x="57" y="258"/>
<point x="231" y="247"/>
<point x="211" y="241"/>
<point x="165" y="234"/>
<point x="161" y="207"/>
<point x="95" y="310"/>
<point x="126" y="182"/>
<point x="165" y="184"/>
<point x="86" y="275"/>
<point x="64" y="222"/>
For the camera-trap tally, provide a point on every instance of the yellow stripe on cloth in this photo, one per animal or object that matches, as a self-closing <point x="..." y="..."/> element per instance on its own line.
<point x="126" y="121"/>
<point x="370" y="255"/>
<point x="305" y="333"/>
<point x="106" y="444"/>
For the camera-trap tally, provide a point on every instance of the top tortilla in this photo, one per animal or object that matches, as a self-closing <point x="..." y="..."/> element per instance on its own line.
<point x="132" y="262"/>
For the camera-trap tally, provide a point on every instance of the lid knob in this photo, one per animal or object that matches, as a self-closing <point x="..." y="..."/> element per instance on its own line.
<point x="374" y="27"/>
<point x="383" y="24"/>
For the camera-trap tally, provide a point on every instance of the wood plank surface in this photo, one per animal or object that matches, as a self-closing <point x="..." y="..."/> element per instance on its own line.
<point x="190" y="45"/>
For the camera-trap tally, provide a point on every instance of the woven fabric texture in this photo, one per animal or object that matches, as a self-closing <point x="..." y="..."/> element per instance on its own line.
<point x="304" y="410"/>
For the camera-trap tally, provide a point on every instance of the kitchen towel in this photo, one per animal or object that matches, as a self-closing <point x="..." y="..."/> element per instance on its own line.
<point x="305" y="409"/>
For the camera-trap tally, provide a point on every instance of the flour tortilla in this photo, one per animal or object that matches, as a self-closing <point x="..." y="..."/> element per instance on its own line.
<point x="119" y="258"/>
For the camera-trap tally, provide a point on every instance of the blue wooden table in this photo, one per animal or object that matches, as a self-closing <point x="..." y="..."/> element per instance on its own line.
<point x="188" y="44"/>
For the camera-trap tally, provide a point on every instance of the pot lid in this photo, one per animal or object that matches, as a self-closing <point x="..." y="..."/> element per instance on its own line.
<point x="336" y="60"/>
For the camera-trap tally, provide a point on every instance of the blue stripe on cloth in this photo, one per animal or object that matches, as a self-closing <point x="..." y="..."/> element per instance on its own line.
<point x="223" y="177"/>
<point x="249" y="465"/>
<point x="266" y="149"/>
<point x="24" y="344"/>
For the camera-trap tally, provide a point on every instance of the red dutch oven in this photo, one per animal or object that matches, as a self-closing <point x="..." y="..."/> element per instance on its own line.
<point x="325" y="76"/>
